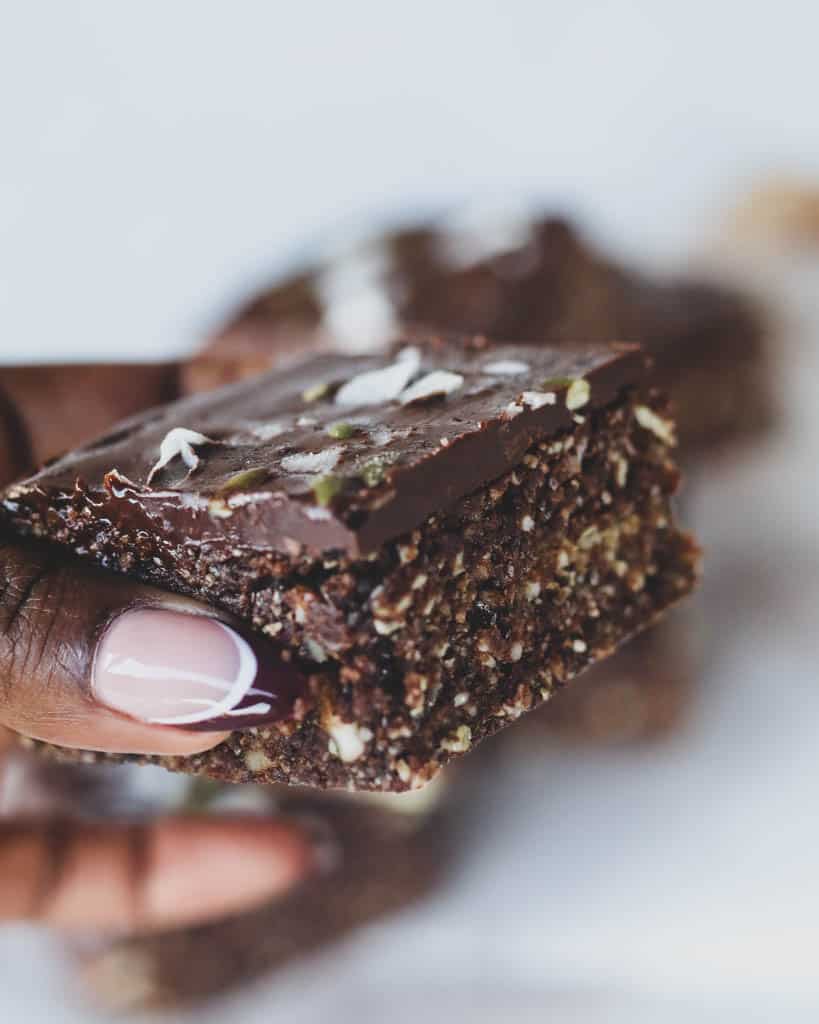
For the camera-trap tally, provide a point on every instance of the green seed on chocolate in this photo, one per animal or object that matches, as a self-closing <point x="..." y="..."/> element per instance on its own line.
<point x="326" y="488"/>
<point x="244" y="479"/>
<point x="341" y="431"/>
<point x="372" y="472"/>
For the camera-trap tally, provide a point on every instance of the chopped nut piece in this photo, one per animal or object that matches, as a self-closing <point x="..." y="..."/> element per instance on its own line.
<point x="385" y="628"/>
<point x="649" y="420"/>
<point x="459" y="742"/>
<point x="257" y="761"/>
<point x="348" y="741"/>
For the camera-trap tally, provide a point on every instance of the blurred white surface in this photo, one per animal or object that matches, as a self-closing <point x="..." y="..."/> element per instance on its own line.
<point x="158" y="159"/>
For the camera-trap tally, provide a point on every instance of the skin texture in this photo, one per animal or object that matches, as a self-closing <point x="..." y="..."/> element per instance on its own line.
<point x="154" y="875"/>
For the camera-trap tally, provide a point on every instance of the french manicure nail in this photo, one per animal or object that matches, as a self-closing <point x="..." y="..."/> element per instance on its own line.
<point x="170" y="668"/>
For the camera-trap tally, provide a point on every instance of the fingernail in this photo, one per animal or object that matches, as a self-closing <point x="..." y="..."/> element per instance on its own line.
<point x="193" y="672"/>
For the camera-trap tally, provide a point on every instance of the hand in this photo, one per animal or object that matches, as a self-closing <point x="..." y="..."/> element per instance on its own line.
<point x="55" y="616"/>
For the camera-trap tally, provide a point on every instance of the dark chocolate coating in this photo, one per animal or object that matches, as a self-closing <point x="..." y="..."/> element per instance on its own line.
<point x="399" y="464"/>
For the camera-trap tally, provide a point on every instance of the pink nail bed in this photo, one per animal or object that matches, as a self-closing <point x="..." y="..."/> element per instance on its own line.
<point x="193" y="672"/>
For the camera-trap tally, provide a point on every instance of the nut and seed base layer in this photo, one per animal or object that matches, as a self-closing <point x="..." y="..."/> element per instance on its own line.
<point x="432" y="541"/>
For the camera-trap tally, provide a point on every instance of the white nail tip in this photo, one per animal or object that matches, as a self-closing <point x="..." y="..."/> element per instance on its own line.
<point x="225" y="706"/>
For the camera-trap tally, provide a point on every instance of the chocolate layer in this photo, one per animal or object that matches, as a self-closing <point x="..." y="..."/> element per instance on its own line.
<point x="321" y="457"/>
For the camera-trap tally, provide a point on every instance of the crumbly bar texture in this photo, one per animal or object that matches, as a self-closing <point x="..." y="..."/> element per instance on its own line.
<point x="428" y="603"/>
<point x="640" y="694"/>
<point x="708" y="342"/>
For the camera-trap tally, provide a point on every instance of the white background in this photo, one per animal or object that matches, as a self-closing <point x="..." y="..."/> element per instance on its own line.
<point x="158" y="159"/>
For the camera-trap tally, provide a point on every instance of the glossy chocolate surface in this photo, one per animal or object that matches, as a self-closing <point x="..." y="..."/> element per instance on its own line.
<point x="295" y="458"/>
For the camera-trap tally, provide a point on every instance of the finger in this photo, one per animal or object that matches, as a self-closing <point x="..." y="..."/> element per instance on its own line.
<point x="99" y="662"/>
<point x="169" y="873"/>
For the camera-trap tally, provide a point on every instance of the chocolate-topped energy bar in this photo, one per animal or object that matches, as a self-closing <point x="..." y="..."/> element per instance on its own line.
<point x="423" y="544"/>
<point x="532" y="279"/>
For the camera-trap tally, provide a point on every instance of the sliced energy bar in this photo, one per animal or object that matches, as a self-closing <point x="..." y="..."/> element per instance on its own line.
<point x="432" y="541"/>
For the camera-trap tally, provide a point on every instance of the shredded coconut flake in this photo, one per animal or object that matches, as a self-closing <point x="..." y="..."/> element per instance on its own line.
<point x="507" y="367"/>
<point x="179" y="443"/>
<point x="267" y="431"/>
<point x="512" y="410"/>
<point x="537" y="399"/>
<point x="375" y="387"/>
<point x="381" y="435"/>
<point x="439" y="382"/>
<point x="312" y="462"/>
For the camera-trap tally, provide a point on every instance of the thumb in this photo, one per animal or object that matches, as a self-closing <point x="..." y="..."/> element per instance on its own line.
<point x="99" y="662"/>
